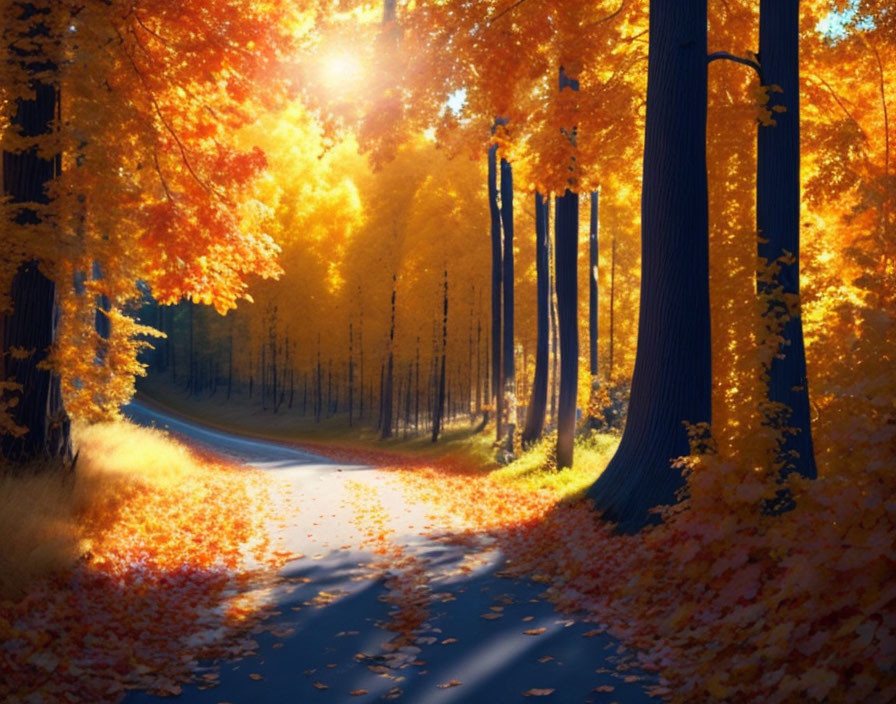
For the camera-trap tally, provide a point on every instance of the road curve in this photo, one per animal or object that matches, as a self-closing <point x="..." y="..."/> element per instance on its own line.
<point x="339" y="649"/>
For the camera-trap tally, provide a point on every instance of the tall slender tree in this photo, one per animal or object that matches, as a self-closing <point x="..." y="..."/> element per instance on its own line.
<point x="778" y="222"/>
<point x="508" y="353"/>
<point x="592" y="285"/>
<point x="497" y="385"/>
<point x="566" y="226"/>
<point x="539" y="396"/>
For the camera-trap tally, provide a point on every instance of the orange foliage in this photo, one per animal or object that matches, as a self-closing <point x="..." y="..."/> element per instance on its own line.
<point x="171" y="553"/>
<point x="722" y="601"/>
<point x="152" y="187"/>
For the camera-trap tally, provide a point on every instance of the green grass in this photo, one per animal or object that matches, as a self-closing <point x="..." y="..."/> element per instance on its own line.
<point x="533" y="469"/>
<point x="237" y="416"/>
<point x="536" y="468"/>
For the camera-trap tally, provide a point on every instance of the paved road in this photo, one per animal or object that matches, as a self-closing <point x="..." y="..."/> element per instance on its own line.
<point x="320" y="649"/>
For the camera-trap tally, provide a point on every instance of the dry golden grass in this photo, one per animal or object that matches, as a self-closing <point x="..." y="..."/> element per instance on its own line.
<point x="48" y="520"/>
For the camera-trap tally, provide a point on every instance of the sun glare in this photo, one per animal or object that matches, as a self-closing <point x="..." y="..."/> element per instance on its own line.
<point x="342" y="70"/>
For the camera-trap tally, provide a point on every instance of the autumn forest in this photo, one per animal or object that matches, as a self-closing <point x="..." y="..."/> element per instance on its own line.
<point x="440" y="351"/>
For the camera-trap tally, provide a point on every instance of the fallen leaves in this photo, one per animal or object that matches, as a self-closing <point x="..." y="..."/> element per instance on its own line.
<point x="535" y="631"/>
<point x="537" y="692"/>
<point x="163" y="587"/>
<point x="448" y="685"/>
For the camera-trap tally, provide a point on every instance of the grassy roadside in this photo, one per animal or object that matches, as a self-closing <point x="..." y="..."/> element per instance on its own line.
<point x="533" y="469"/>
<point x="50" y="519"/>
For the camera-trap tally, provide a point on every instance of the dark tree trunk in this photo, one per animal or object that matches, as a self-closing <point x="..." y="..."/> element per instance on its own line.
<point x="172" y="348"/>
<point x="319" y="399"/>
<point x="361" y="363"/>
<point x="552" y="293"/>
<point x="778" y="221"/>
<point x="351" y="373"/>
<point x="417" y="390"/>
<point x="612" y="308"/>
<point x="329" y="387"/>
<point x="386" y="431"/>
<point x="509" y="358"/>
<point x="566" y="277"/>
<point x="33" y="321"/>
<point x="304" y="393"/>
<point x="672" y="378"/>
<point x="439" y="409"/>
<point x="264" y="377"/>
<point x="275" y="400"/>
<point x="191" y="357"/>
<point x="407" y="399"/>
<point x="593" y="423"/>
<point x="292" y="387"/>
<point x="101" y="323"/>
<point x="539" y="396"/>
<point x="495" y="215"/>
<point x="592" y="286"/>
<point x="478" y="366"/>
<point x="230" y="368"/>
<point x="379" y="422"/>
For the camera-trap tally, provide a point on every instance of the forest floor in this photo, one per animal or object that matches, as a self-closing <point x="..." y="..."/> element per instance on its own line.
<point x="386" y="595"/>
<point x="331" y="567"/>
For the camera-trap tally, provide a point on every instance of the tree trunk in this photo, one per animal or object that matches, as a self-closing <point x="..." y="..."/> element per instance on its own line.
<point x="592" y="286"/>
<point x="612" y="308"/>
<point x="386" y="431"/>
<point x="778" y="222"/>
<point x="509" y="357"/>
<point x="495" y="215"/>
<point x="417" y="391"/>
<point x="351" y="373"/>
<point x="593" y="423"/>
<point x="319" y="399"/>
<point x="566" y="276"/>
<point x="538" y="398"/>
<point x="439" y="409"/>
<point x="672" y="379"/>
<point x="33" y="321"/>
<point x="230" y="368"/>
<point x="552" y="311"/>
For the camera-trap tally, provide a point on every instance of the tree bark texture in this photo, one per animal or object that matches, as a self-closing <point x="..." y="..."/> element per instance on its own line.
<point x="539" y="396"/>
<point x="566" y="276"/>
<point x="509" y="365"/>
<point x="778" y="217"/>
<point x="495" y="216"/>
<point x="672" y="376"/>
<point x="32" y="323"/>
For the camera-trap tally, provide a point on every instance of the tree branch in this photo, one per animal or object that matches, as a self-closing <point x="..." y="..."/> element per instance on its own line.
<point x="505" y="11"/>
<point x="718" y="55"/>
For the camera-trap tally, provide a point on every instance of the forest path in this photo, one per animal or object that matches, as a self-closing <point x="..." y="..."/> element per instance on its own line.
<point x="379" y="608"/>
